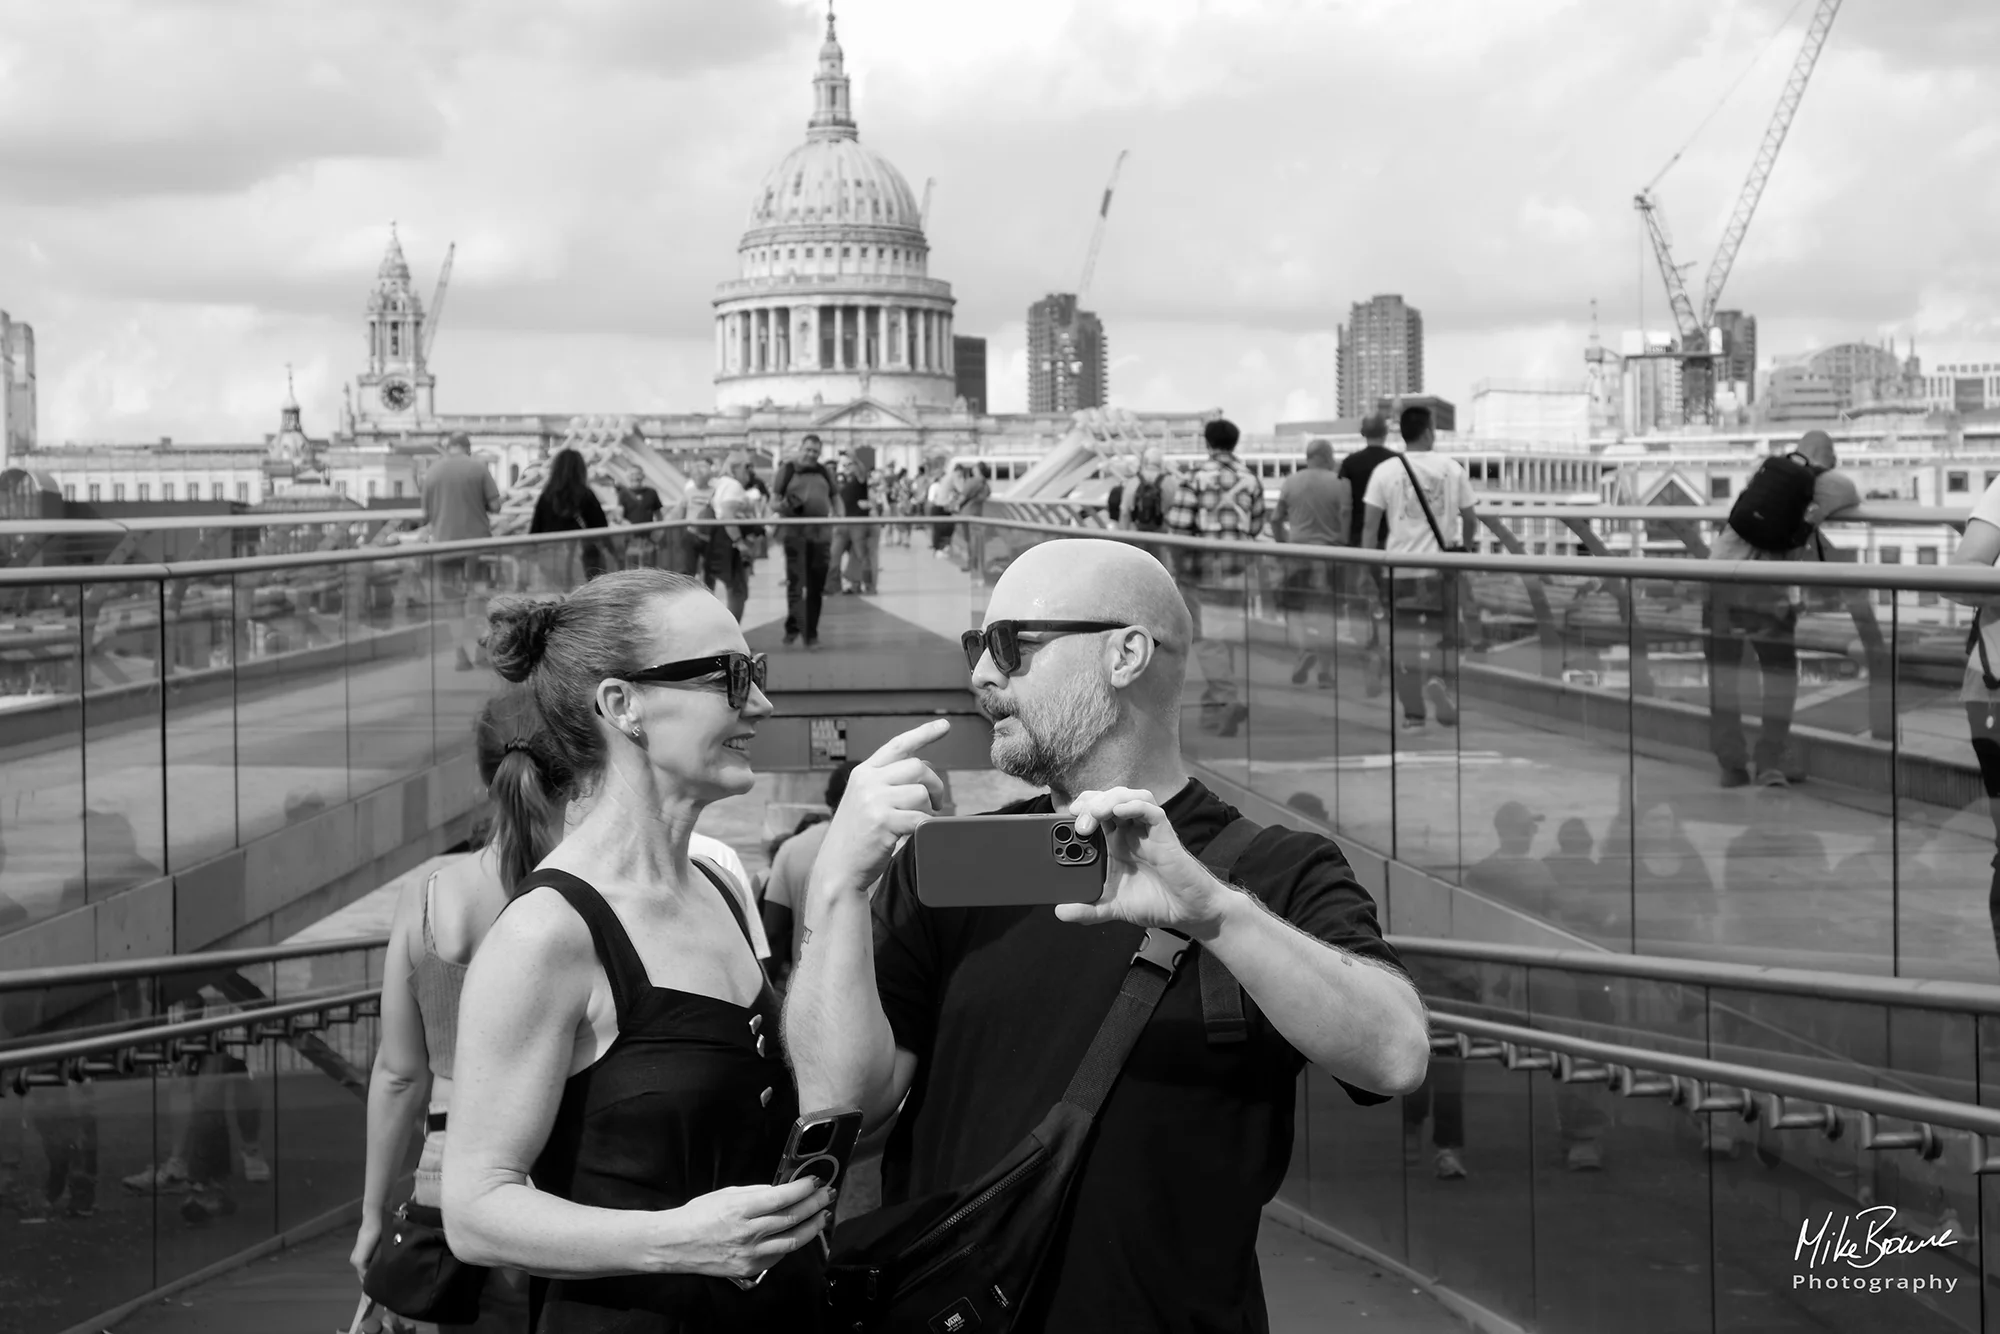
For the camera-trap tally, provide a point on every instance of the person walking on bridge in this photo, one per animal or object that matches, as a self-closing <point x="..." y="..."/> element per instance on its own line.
<point x="1409" y="509"/>
<point x="1314" y="508"/>
<point x="460" y="498"/>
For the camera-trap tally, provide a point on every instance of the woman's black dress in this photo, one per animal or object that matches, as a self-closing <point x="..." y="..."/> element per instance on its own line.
<point x="693" y="1096"/>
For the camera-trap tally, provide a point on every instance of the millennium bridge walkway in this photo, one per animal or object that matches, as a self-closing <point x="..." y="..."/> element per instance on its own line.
<point x="1676" y="1021"/>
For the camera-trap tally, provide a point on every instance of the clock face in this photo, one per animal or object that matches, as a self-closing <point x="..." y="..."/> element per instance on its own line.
<point x="396" y="395"/>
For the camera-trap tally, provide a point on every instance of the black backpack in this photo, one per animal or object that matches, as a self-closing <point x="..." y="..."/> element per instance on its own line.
<point x="1149" y="510"/>
<point x="1770" y="514"/>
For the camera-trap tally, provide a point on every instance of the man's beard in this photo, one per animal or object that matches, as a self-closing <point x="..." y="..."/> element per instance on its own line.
<point x="1051" y="737"/>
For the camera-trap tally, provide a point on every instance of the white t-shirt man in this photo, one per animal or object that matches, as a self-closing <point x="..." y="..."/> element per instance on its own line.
<point x="1446" y="487"/>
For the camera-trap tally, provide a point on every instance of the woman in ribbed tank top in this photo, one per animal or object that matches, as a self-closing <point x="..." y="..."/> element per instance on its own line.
<point x="623" y="1099"/>
<point x="439" y="923"/>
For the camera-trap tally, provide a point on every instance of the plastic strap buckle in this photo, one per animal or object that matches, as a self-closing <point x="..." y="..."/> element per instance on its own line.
<point x="1162" y="949"/>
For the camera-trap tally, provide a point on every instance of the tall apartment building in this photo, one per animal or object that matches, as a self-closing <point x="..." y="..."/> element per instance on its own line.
<point x="17" y="392"/>
<point x="1059" y="383"/>
<point x="1381" y="354"/>
<point x="1738" y="363"/>
<point x="968" y="364"/>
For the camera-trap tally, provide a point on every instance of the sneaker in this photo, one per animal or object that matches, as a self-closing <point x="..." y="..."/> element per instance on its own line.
<point x="1773" y="778"/>
<point x="791" y="637"/>
<point x="255" y="1168"/>
<point x="205" y="1204"/>
<point x="1736" y="776"/>
<point x="1447" y="1165"/>
<point x="1442" y="704"/>
<point x="1410" y="724"/>
<point x="1235" y="718"/>
<point x="1303" y="670"/>
<point x="812" y="644"/>
<point x="1584" y="1156"/>
<point x="168" y="1178"/>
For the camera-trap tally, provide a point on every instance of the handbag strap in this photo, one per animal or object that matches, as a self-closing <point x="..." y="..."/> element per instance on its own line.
<point x="1418" y="487"/>
<point x="1152" y="968"/>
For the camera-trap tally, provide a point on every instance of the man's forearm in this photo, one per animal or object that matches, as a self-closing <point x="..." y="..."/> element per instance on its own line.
<point x="1351" y="1017"/>
<point x="841" y="1047"/>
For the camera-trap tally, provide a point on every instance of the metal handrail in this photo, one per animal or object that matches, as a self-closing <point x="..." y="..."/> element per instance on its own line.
<point x="78" y="1049"/>
<point x="1706" y="1087"/>
<point x="1972" y="581"/>
<point x="84" y="974"/>
<point x="183" y="522"/>
<point x="1915" y="993"/>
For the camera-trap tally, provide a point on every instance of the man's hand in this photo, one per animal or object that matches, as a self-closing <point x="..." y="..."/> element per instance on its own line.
<point x="888" y="795"/>
<point x="1150" y="879"/>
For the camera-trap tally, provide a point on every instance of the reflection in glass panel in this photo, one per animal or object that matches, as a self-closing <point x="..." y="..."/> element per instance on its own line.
<point x="41" y="754"/>
<point x="1425" y="635"/>
<point x="291" y="696"/>
<point x="390" y="659"/>
<point x="125" y="818"/>
<point x="200" y="711"/>
<point x="1295" y="681"/>
<point x="1945" y="824"/>
<point x="1219" y="591"/>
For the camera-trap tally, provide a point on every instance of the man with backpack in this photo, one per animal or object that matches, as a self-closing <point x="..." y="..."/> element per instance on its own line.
<point x="1776" y="517"/>
<point x="982" y="1016"/>
<point x="1223" y="501"/>
<point x="805" y="491"/>
<point x="1143" y="506"/>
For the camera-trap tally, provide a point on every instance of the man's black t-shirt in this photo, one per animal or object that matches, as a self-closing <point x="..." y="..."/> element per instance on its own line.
<point x="999" y="1005"/>
<point x="1357" y="468"/>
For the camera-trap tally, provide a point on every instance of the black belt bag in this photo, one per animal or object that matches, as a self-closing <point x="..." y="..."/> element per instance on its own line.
<point x="414" y="1273"/>
<point x="967" y="1258"/>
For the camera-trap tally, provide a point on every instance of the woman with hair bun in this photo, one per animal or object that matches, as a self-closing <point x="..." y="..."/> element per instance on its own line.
<point x="626" y="1093"/>
<point x="438" y="927"/>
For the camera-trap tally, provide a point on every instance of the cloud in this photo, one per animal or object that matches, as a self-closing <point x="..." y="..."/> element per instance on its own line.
<point x="193" y="192"/>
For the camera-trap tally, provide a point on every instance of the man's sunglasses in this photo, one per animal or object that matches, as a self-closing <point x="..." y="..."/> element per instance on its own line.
<point x="739" y="670"/>
<point x="1002" y="639"/>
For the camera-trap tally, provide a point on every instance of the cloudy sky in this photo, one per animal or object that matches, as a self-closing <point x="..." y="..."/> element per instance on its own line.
<point x="195" y="192"/>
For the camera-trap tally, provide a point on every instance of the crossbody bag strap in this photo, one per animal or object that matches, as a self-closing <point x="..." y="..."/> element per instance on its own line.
<point x="1146" y="980"/>
<point x="1222" y="1014"/>
<point x="1418" y="487"/>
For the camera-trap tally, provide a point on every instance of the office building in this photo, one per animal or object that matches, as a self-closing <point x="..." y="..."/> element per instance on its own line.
<point x="1381" y="353"/>
<point x="1067" y="369"/>
<point x="968" y="361"/>
<point x="1736" y="368"/>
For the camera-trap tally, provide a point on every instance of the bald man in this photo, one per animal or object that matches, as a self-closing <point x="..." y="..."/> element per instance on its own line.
<point x="980" y="1016"/>
<point x="1764" y="619"/>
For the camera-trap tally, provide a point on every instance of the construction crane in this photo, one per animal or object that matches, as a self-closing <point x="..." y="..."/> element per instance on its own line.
<point x="437" y="301"/>
<point x="924" y="218"/>
<point x="1699" y="345"/>
<point x="1068" y="366"/>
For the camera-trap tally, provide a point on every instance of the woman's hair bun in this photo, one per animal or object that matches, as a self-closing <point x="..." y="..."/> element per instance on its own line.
<point x="519" y="635"/>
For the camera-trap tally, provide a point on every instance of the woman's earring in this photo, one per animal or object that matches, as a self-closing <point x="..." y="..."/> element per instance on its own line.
<point x="636" y="733"/>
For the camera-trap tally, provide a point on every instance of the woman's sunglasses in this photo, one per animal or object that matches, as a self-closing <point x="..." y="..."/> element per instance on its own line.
<point x="739" y="670"/>
<point x="1002" y="639"/>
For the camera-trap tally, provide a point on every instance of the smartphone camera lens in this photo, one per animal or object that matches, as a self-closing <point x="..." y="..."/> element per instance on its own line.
<point x="816" y="1138"/>
<point x="1064" y="833"/>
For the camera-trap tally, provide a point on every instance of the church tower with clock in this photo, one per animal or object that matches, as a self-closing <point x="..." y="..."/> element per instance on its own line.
<point x="394" y="394"/>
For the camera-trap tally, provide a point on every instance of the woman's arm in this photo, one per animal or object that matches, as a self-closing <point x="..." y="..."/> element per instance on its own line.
<point x="400" y="1082"/>
<point x="1979" y="547"/>
<point x="526" y="997"/>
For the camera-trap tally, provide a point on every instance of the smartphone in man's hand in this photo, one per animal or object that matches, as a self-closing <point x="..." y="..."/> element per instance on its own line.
<point x="988" y="861"/>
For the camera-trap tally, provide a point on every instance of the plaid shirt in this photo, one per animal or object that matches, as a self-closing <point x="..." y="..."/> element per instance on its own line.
<point x="1222" y="500"/>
